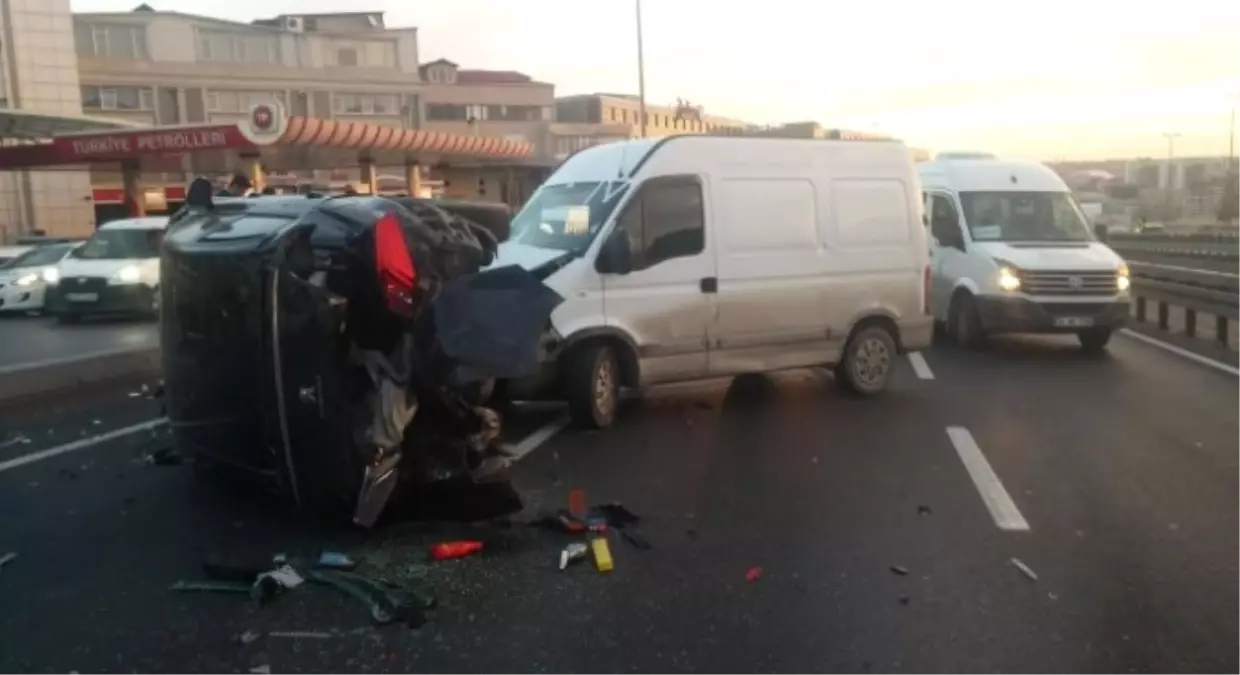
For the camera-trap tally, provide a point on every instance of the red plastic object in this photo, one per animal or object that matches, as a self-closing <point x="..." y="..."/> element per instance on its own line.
<point x="577" y="504"/>
<point x="753" y="574"/>
<point x="397" y="274"/>
<point x="451" y="550"/>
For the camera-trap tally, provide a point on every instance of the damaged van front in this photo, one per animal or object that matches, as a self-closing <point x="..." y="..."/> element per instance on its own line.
<point x="331" y="344"/>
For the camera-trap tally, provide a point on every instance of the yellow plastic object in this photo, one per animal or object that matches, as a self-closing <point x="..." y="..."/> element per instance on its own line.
<point x="602" y="554"/>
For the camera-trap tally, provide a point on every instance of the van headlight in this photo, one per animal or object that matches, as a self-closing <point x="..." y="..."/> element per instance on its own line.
<point x="1008" y="279"/>
<point x="51" y="275"/>
<point x="26" y="279"/>
<point x="129" y="274"/>
<point x="1122" y="281"/>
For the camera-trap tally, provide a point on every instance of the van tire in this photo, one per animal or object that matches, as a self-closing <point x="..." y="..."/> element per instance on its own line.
<point x="868" y="361"/>
<point x="965" y="323"/>
<point x="592" y="385"/>
<point x="1094" y="340"/>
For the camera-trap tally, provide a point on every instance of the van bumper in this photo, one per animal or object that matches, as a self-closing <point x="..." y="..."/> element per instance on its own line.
<point x="916" y="334"/>
<point x="1025" y="315"/>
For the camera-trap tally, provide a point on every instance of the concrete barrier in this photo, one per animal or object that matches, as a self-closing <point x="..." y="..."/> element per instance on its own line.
<point x="54" y="376"/>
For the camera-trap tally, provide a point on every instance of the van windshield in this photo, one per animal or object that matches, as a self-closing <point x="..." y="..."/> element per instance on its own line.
<point x="568" y="216"/>
<point x="1024" y="216"/>
<point x="120" y="245"/>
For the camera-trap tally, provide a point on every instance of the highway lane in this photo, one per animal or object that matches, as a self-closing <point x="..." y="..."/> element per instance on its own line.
<point x="25" y="339"/>
<point x="1124" y="468"/>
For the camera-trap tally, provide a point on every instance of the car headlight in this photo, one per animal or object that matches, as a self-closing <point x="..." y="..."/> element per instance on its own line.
<point x="1122" y="281"/>
<point x="129" y="274"/>
<point x="26" y="279"/>
<point x="51" y="275"/>
<point x="1008" y="280"/>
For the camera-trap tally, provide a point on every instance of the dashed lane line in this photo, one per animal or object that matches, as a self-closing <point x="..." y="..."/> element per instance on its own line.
<point x="1002" y="509"/>
<point x="920" y="366"/>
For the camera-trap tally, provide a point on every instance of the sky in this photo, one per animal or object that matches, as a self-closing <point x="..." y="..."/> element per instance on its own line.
<point x="1049" y="80"/>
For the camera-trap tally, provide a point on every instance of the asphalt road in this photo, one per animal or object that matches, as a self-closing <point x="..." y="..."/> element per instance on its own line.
<point x="877" y="549"/>
<point x="26" y="339"/>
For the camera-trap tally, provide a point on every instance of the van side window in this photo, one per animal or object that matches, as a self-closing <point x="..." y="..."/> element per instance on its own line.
<point x="665" y="221"/>
<point x="944" y="223"/>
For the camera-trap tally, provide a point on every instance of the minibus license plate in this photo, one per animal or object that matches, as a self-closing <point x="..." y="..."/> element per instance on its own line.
<point x="1073" y="321"/>
<point x="82" y="297"/>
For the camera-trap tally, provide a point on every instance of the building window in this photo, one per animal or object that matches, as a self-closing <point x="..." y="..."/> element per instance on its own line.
<point x="237" y="101"/>
<point x="117" y="98"/>
<point x="513" y="113"/>
<point x="225" y="47"/>
<point x="110" y="40"/>
<point x="366" y="104"/>
<point x="445" y="112"/>
<point x="361" y="54"/>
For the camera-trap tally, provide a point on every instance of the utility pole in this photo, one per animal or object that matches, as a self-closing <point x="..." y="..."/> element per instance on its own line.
<point x="641" y="71"/>
<point x="1170" y="136"/>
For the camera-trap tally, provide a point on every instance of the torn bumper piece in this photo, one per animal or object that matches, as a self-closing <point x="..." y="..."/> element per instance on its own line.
<point x="331" y="345"/>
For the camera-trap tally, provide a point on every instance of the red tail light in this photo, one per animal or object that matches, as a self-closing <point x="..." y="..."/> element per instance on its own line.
<point x="397" y="274"/>
<point x="925" y="290"/>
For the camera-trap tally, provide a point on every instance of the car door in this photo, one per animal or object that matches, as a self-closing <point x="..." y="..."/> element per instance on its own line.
<point x="947" y="250"/>
<point x="666" y="301"/>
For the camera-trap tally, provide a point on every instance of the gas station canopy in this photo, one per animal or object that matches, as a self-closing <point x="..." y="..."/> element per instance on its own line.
<point x="279" y="140"/>
<point x="31" y="126"/>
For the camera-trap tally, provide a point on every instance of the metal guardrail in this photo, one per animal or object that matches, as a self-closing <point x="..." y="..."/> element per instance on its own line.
<point x="1214" y="246"/>
<point x="1198" y="292"/>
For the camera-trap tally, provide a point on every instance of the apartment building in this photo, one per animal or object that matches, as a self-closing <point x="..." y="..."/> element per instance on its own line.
<point x="661" y="120"/>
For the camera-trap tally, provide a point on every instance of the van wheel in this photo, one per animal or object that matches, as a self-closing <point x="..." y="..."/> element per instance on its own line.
<point x="592" y="386"/>
<point x="966" y="323"/>
<point x="869" y="359"/>
<point x="1094" y="340"/>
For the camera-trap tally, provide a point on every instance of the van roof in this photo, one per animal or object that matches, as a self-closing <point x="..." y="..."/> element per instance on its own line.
<point x="990" y="175"/>
<point x="146" y="223"/>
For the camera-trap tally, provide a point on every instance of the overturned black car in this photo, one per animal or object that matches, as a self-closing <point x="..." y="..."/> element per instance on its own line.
<point x="339" y="345"/>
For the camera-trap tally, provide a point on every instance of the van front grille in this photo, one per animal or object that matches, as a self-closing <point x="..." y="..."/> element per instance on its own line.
<point x="1068" y="283"/>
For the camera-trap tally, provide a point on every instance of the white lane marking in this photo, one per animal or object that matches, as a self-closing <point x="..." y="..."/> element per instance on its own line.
<point x="87" y="356"/>
<point x="1180" y="351"/>
<point x="530" y="443"/>
<point x="920" y="366"/>
<point x="996" y="497"/>
<point x="517" y="451"/>
<point x="80" y="444"/>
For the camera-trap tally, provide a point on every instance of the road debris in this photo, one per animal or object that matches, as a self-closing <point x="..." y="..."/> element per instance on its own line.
<point x="300" y="634"/>
<point x="897" y="569"/>
<point x="387" y="602"/>
<point x="211" y="587"/>
<point x="286" y="576"/>
<point x="164" y="457"/>
<point x="923" y="510"/>
<point x="904" y="599"/>
<point x="1024" y="569"/>
<point x="335" y="560"/>
<point x="16" y="440"/>
<point x="573" y="552"/>
<point x="602" y="554"/>
<point x="264" y="669"/>
<point x="248" y="637"/>
<point x="753" y="574"/>
<point x="451" y="550"/>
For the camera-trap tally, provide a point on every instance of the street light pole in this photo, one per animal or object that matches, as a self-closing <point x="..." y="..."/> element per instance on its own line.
<point x="641" y="71"/>
<point x="1170" y="136"/>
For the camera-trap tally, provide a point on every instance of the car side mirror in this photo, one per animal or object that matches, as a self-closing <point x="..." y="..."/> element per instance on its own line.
<point x="1100" y="232"/>
<point x="615" y="257"/>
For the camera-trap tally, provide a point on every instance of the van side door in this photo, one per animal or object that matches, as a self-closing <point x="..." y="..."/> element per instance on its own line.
<point x="948" y="250"/>
<point x="666" y="300"/>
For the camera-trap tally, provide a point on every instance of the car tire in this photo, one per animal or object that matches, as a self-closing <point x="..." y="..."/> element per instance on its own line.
<point x="966" y="323"/>
<point x="1094" y="340"/>
<point x="592" y="386"/>
<point x="868" y="361"/>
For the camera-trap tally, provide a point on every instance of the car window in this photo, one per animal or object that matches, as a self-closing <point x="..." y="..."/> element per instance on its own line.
<point x="665" y="221"/>
<point x="121" y="244"/>
<point x="42" y="255"/>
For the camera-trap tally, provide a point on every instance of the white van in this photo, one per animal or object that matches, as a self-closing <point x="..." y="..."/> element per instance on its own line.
<point x="1013" y="252"/>
<point x="115" y="271"/>
<point x="692" y="257"/>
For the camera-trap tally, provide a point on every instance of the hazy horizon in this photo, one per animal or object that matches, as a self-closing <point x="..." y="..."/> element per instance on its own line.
<point x="1063" y="81"/>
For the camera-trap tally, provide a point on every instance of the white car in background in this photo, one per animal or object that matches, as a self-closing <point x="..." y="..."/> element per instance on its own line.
<point x="23" y="279"/>
<point x="116" y="271"/>
<point x="7" y="253"/>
